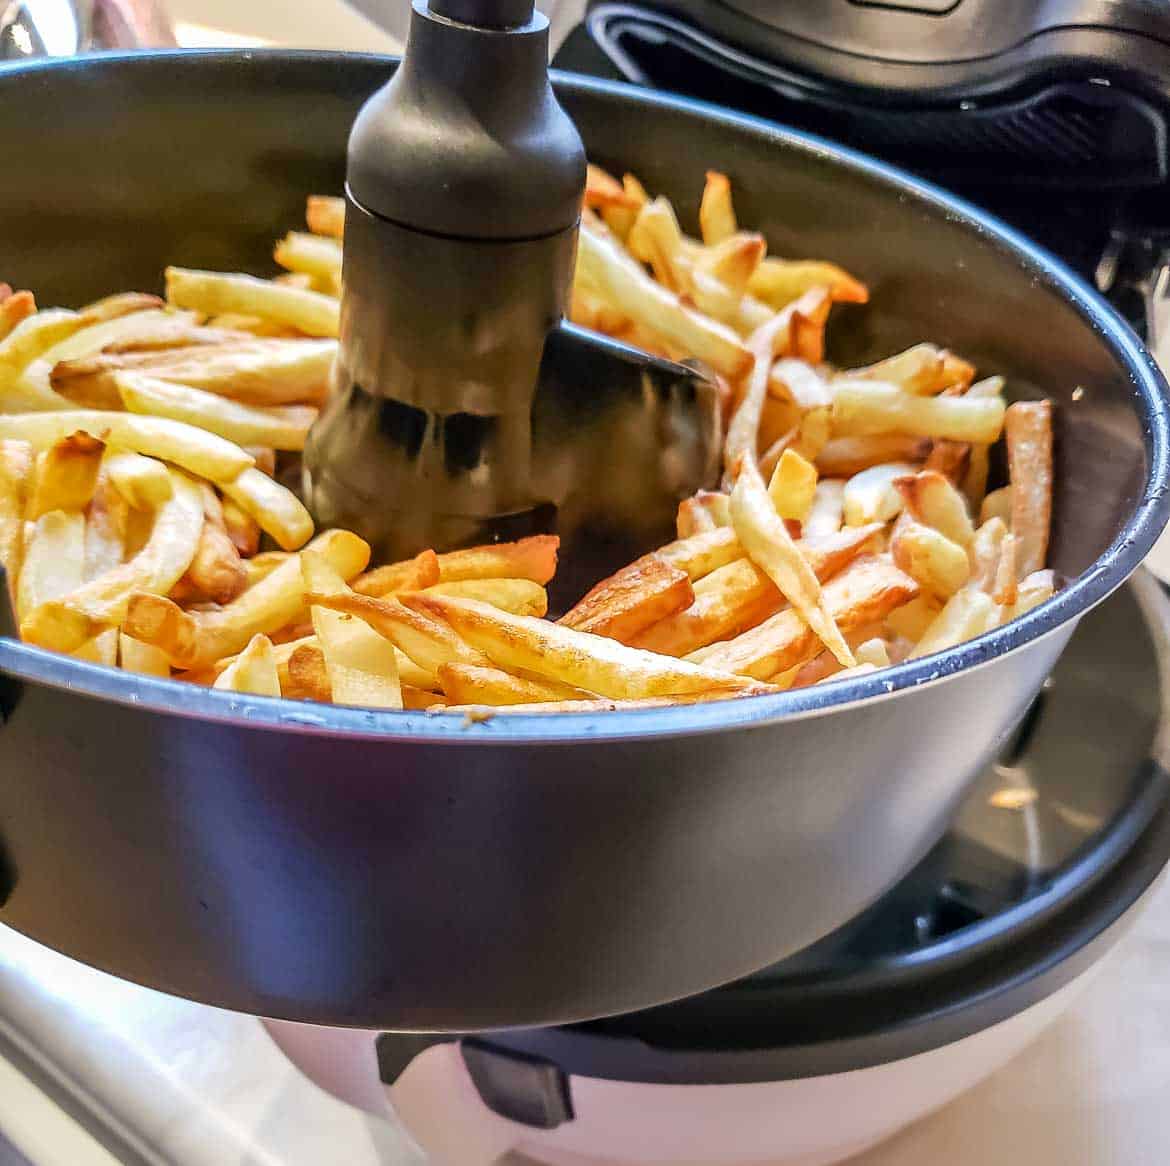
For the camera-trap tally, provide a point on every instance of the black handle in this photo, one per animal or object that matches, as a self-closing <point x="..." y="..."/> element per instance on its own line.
<point x="493" y="14"/>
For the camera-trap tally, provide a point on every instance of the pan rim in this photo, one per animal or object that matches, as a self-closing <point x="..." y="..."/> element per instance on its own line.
<point x="23" y="662"/>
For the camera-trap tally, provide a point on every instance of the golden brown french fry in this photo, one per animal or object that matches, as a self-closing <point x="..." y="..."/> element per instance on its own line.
<point x="603" y="190"/>
<point x="303" y="675"/>
<point x="15" y="307"/>
<point x="862" y="407"/>
<point x="703" y="552"/>
<point x="716" y="212"/>
<point x="628" y="602"/>
<point x="278" y="511"/>
<point x="54" y="560"/>
<point x="1028" y="425"/>
<point x="620" y="219"/>
<point x="1006" y="591"/>
<point x="65" y="622"/>
<point x="968" y="613"/>
<point x="932" y="560"/>
<point x="325" y="215"/>
<point x="593" y="663"/>
<point x="931" y="499"/>
<point x="17" y="466"/>
<point x="194" y="449"/>
<point x="985" y="552"/>
<point x="769" y="545"/>
<point x="827" y="513"/>
<point x="472" y="684"/>
<point x="311" y="255"/>
<point x="617" y="278"/>
<point x="254" y="670"/>
<point x="532" y="558"/>
<point x="429" y="642"/>
<point x="705" y="511"/>
<point x="842" y="457"/>
<point x="414" y="697"/>
<point x="196" y="639"/>
<point x="997" y="504"/>
<point x="67" y="474"/>
<point x="871" y="495"/>
<point x="864" y="592"/>
<point x="952" y="459"/>
<point x="780" y="281"/>
<point x="242" y="529"/>
<point x="143" y="482"/>
<point x="216" y="571"/>
<point x="737" y="595"/>
<point x="974" y="483"/>
<point x="135" y="656"/>
<point x="519" y="596"/>
<point x="793" y="486"/>
<point x="215" y="293"/>
<point x="412" y="575"/>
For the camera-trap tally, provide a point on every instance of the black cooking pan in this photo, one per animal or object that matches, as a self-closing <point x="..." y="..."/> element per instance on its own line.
<point x="399" y="870"/>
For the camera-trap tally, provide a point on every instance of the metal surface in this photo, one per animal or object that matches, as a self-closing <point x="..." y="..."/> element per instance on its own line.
<point x="404" y="871"/>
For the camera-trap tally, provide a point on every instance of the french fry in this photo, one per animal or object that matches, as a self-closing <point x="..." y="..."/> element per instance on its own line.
<point x="65" y="622"/>
<point x="737" y="595"/>
<point x="997" y="504"/>
<point x="279" y="426"/>
<point x="281" y="653"/>
<point x="412" y="575"/>
<point x="102" y="649"/>
<point x="968" y="613"/>
<point x="195" y="640"/>
<point x="303" y="675"/>
<point x="534" y="557"/>
<point x="15" y="307"/>
<point x="716" y="213"/>
<point x="214" y="293"/>
<point x="1006" y="590"/>
<point x="551" y="651"/>
<point x="862" y="408"/>
<point x="603" y="190"/>
<point x="67" y="474"/>
<point x="196" y="450"/>
<point x="733" y="261"/>
<point x="918" y="370"/>
<point x="312" y="255"/>
<point x="325" y="215"/>
<point x="871" y="496"/>
<point x="254" y="670"/>
<point x="1033" y="590"/>
<point x="278" y="511"/>
<point x="618" y="279"/>
<point x="115" y="306"/>
<point x="105" y="530"/>
<point x="414" y="697"/>
<point x="705" y="511"/>
<point x="793" y="486"/>
<point x="627" y="603"/>
<point x="985" y="551"/>
<point x="655" y="239"/>
<point x="842" y="457"/>
<point x="94" y="335"/>
<point x="796" y="380"/>
<point x="146" y="660"/>
<point x="910" y="621"/>
<point x="475" y="713"/>
<point x="1028" y="425"/>
<point x="17" y="467"/>
<point x="703" y="552"/>
<point x="952" y="459"/>
<point x="24" y="378"/>
<point x="780" y="281"/>
<point x="769" y="545"/>
<point x="519" y="596"/>
<point x="54" y="559"/>
<point x="864" y="592"/>
<point x="827" y="513"/>
<point x="620" y="219"/>
<point x="932" y="560"/>
<point x="931" y="499"/>
<point x="472" y="684"/>
<point x="216" y="571"/>
<point x="143" y="482"/>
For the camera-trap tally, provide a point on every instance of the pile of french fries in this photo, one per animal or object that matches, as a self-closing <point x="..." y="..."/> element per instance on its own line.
<point x="142" y="524"/>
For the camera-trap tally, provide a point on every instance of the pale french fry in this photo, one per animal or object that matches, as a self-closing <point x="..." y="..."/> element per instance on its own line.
<point x="115" y="306"/>
<point x="842" y="457"/>
<point x="146" y="660"/>
<point x="733" y="261"/>
<point x="865" y="591"/>
<point x="910" y="621"/>
<point x="311" y="255"/>
<point x="793" y="486"/>
<point x="985" y="551"/>
<point x="703" y="552"/>
<point x="325" y="215"/>
<point x="918" y="370"/>
<point x="152" y="326"/>
<point x="519" y="596"/>
<point x="196" y="639"/>
<point x="65" y="622"/>
<point x="997" y="504"/>
<point x="278" y="511"/>
<point x="29" y="341"/>
<point x="255" y="326"/>
<point x="412" y="575"/>
<point x="214" y="293"/>
<point x="874" y="652"/>
<point x="105" y="530"/>
<point x="196" y="450"/>
<point x="216" y="571"/>
<point x="627" y="603"/>
<point x="619" y="219"/>
<point x="242" y="529"/>
<point x="862" y="407"/>
<point x="254" y="670"/>
<point x="618" y="279"/>
<point x="769" y="545"/>
<point x="279" y="426"/>
<point x="67" y="474"/>
<point x="281" y="653"/>
<point x="780" y="281"/>
<point x="737" y="595"/>
<point x="716" y="213"/>
<point x="17" y="467"/>
<point x="871" y="495"/>
<point x="429" y="642"/>
<point x="102" y="649"/>
<point x="932" y="500"/>
<point x="655" y="239"/>
<point x="532" y="558"/>
<point x="705" y="511"/>
<point x="798" y="381"/>
<point x="1028" y="425"/>
<point x="593" y="663"/>
<point x="54" y="560"/>
<point x="471" y="684"/>
<point x="932" y="560"/>
<point x="1033" y="590"/>
<point x="827" y="512"/>
<point x="143" y="482"/>
<point x="968" y="613"/>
